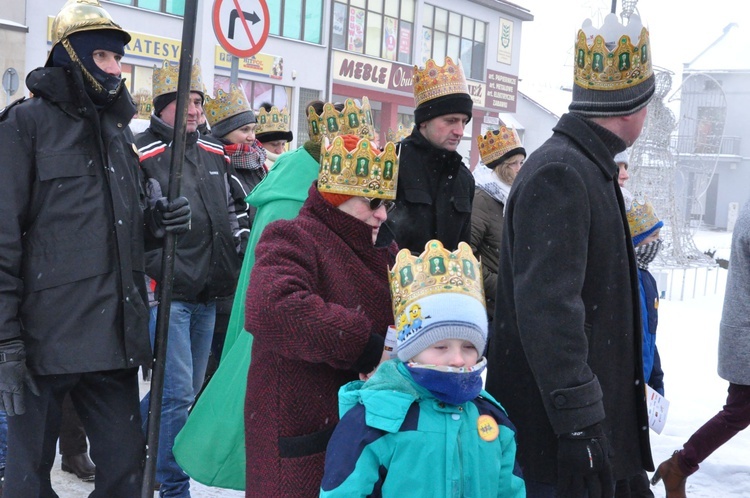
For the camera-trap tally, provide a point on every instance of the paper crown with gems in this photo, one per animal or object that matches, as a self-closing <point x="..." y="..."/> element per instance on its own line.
<point x="225" y="105"/>
<point x="499" y="144"/>
<point x="437" y="295"/>
<point x="362" y="172"/>
<point x="612" y="68"/>
<point x="401" y="133"/>
<point x="351" y="120"/>
<point x="165" y="79"/>
<point x="642" y="220"/>
<point x="274" y="120"/>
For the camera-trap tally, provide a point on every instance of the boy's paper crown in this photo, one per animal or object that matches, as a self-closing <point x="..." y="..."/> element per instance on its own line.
<point x="272" y="121"/>
<point x="437" y="295"/>
<point x="642" y="221"/>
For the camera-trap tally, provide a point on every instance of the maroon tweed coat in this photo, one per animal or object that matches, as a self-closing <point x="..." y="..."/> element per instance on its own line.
<point x="318" y="306"/>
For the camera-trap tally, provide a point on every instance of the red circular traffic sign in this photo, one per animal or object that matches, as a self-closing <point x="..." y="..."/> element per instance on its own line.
<point x="241" y="26"/>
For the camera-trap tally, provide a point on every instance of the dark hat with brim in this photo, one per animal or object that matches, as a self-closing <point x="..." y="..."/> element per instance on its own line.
<point x="447" y="104"/>
<point x="272" y="136"/>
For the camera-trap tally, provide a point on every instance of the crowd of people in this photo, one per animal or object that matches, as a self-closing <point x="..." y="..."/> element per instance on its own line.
<point x="336" y="306"/>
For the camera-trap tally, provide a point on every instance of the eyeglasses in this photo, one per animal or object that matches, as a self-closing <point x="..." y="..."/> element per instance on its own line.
<point x="376" y="203"/>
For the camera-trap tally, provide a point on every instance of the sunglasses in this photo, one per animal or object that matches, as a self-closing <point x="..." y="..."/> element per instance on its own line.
<point x="376" y="203"/>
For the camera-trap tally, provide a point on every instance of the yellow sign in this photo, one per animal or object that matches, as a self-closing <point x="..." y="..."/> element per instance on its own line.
<point x="265" y="64"/>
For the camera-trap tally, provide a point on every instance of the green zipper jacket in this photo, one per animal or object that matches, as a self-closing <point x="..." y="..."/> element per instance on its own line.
<point x="396" y="439"/>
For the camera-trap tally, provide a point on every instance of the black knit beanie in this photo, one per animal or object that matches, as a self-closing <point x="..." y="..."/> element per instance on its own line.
<point x="606" y="103"/>
<point x="440" y="106"/>
<point x="228" y="125"/>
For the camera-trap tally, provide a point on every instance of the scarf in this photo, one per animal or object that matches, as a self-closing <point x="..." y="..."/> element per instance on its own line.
<point x="487" y="180"/>
<point x="246" y="156"/>
<point x="450" y="385"/>
<point x="270" y="159"/>
<point x="645" y="254"/>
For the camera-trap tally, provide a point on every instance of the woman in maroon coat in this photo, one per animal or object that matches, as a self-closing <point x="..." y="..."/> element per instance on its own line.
<point x="318" y="305"/>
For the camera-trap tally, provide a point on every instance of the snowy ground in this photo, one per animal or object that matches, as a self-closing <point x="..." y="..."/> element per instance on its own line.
<point x="687" y="339"/>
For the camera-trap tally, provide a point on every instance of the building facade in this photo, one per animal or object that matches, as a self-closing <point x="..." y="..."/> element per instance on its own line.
<point x="324" y="49"/>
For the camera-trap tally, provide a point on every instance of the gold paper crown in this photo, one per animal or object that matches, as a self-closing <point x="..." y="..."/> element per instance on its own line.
<point x="496" y="143"/>
<point x="436" y="81"/>
<point x="82" y="15"/>
<point x="612" y="62"/>
<point x="361" y="172"/>
<point x="225" y="105"/>
<point x="401" y="133"/>
<point x="165" y="78"/>
<point x="435" y="271"/>
<point x="351" y="120"/>
<point x="273" y="120"/>
<point x="641" y="217"/>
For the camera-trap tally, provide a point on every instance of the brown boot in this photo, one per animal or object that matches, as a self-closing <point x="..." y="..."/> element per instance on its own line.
<point x="674" y="479"/>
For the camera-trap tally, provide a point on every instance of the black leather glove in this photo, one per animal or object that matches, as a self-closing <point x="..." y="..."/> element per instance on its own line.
<point x="13" y="376"/>
<point x="583" y="464"/>
<point x="173" y="217"/>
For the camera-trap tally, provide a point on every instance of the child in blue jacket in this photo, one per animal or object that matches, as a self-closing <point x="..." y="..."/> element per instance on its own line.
<point x="644" y="230"/>
<point x="422" y="426"/>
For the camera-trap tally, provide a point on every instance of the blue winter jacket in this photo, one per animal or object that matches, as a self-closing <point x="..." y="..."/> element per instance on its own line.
<point x="652" y="371"/>
<point x="396" y="439"/>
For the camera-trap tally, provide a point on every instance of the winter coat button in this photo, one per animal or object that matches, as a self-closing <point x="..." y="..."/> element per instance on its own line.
<point x="560" y="400"/>
<point x="455" y="416"/>
<point x="119" y="125"/>
<point x="637" y="382"/>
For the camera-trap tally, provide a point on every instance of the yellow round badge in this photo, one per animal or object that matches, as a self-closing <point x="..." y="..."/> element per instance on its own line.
<point x="487" y="428"/>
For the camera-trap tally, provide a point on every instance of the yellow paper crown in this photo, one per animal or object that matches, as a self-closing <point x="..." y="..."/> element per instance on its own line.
<point x="225" y="105"/>
<point x="165" y="78"/>
<point x="273" y="120"/>
<point x="400" y="133"/>
<point x="435" y="271"/>
<point x="642" y="219"/>
<point x="436" y="81"/>
<point x="496" y="143"/>
<point x="361" y="172"/>
<point x="351" y="120"/>
<point x="607" y="59"/>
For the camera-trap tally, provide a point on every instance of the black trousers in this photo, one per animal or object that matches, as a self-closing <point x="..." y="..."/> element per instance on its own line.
<point x="108" y="404"/>
<point x="72" y="434"/>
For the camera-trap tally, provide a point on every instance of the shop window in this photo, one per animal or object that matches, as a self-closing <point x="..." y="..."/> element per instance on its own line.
<point x="176" y="7"/>
<point x="375" y="28"/>
<point x="446" y="33"/>
<point x="296" y="19"/>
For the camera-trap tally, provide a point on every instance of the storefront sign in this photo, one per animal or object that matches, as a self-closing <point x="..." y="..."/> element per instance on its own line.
<point x="502" y="90"/>
<point x="376" y="73"/>
<point x="262" y="64"/>
<point x="505" y="41"/>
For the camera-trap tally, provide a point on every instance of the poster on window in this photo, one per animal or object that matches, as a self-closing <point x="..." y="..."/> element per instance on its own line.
<point x="404" y="42"/>
<point x="505" y="42"/>
<point x="390" y="32"/>
<point x="356" y="30"/>
<point x="426" y="44"/>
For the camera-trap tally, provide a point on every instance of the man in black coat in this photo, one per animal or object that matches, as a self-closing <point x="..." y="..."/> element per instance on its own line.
<point x="206" y="261"/>
<point x="435" y="189"/>
<point x="566" y="359"/>
<point x="73" y="305"/>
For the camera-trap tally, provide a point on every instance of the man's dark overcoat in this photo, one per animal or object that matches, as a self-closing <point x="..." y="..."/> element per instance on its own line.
<point x="566" y="352"/>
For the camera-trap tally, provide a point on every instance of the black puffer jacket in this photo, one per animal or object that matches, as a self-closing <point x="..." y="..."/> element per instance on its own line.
<point x="207" y="257"/>
<point x="434" y="196"/>
<point x="71" y="230"/>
